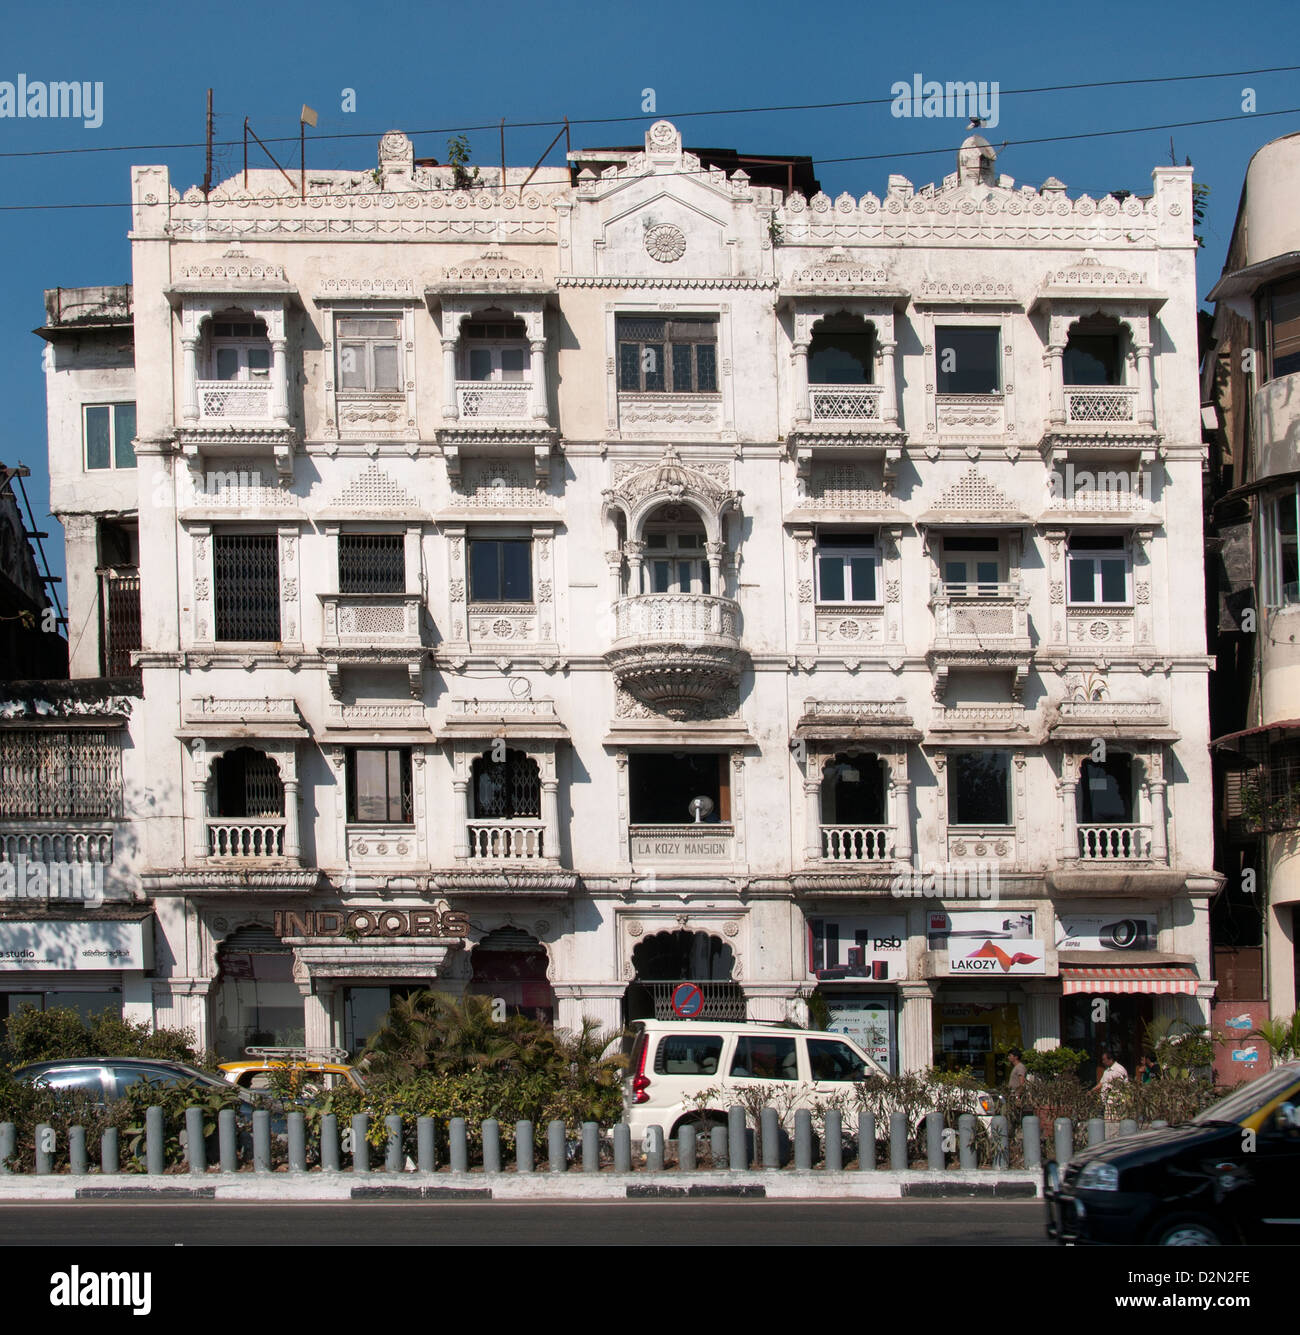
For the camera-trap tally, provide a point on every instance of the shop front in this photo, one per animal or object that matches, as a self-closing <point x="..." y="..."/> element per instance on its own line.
<point x="85" y="959"/>
<point x="858" y="960"/>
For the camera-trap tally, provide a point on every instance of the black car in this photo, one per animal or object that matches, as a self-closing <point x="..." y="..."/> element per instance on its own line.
<point x="1231" y="1175"/>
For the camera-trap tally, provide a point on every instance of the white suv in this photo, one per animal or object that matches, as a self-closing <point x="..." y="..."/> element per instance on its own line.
<point x="672" y="1062"/>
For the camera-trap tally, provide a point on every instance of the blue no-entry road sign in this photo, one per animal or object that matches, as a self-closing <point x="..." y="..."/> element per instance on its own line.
<point x="688" y="1000"/>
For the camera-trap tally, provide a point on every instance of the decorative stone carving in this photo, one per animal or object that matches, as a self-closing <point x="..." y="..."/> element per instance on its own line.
<point x="665" y="242"/>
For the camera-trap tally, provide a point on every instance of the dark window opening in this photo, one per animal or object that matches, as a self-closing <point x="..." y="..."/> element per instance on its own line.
<point x="662" y="785"/>
<point x="372" y="563"/>
<point x="853" y="791"/>
<point x="1092" y="359"/>
<point x="1279" y="315"/>
<point x="500" y="570"/>
<point x="841" y="352"/>
<point x="246" y="785"/>
<point x="1106" y="791"/>
<point x="979" y="788"/>
<point x="246" y="586"/>
<point x="967" y="359"/>
<point x="509" y="788"/>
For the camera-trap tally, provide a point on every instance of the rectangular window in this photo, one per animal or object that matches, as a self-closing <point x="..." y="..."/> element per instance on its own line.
<point x="246" y="586"/>
<point x="966" y="359"/>
<point x="829" y="1059"/>
<point x="372" y="563"/>
<point x="1092" y="359"/>
<point x="500" y="570"/>
<point x="846" y="568"/>
<point x="369" y="357"/>
<point x="57" y="774"/>
<point x="688" y="1054"/>
<point x="1098" y="570"/>
<point x="662" y="786"/>
<point x="972" y="566"/>
<point x="671" y="356"/>
<point x="379" y="786"/>
<point x="979" y="788"/>
<point x="110" y="435"/>
<point x="762" y="1058"/>
<point x="1279" y="312"/>
<point x="1280" y="550"/>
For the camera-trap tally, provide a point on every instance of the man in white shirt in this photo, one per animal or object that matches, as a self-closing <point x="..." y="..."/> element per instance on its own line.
<point x="1110" y="1073"/>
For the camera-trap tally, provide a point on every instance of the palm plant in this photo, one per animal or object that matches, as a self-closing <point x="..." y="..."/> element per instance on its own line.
<point x="1282" y="1036"/>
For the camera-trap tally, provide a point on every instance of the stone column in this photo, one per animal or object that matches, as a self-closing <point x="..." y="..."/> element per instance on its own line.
<point x="1146" y="415"/>
<point x="916" y="1020"/>
<point x="802" y="406"/>
<point x="1056" y="383"/>
<point x="770" y="1002"/>
<point x="1069" y="807"/>
<point x="537" y="370"/>
<point x="888" y="384"/>
<point x="1159" y="843"/>
<point x="716" y="551"/>
<point x="900" y="810"/>
<point x="635" y="553"/>
<point x="450" y="404"/>
<point x="318" y="1015"/>
<point x="1043" y="1032"/>
<point x="190" y="379"/>
<point x="551" y="819"/>
<point x="812" y="796"/>
<point x="602" y="1002"/>
<point x="279" y="382"/>
<point x="292" y="845"/>
<point x="460" y="834"/>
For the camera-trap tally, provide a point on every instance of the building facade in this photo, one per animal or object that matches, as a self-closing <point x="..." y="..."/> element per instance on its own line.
<point x="639" y="573"/>
<point x="1249" y="387"/>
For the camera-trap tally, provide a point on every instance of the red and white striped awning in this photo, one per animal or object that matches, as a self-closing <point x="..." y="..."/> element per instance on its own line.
<point x="1161" y="979"/>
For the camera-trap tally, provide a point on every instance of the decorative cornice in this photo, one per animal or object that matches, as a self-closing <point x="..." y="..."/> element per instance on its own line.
<point x="620" y="280"/>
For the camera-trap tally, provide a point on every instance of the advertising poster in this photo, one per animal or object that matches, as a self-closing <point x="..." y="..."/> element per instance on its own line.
<point x="862" y="949"/>
<point x="987" y="943"/>
<point x="1108" y="931"/>
<point x="869" y="1022"/>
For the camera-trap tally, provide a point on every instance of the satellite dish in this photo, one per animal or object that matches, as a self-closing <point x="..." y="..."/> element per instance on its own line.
<point x="700" y="807"/>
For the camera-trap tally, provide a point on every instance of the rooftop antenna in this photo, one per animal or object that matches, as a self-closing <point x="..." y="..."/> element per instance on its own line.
<point x="207" y="168"/>
<point x="307" y="116"/>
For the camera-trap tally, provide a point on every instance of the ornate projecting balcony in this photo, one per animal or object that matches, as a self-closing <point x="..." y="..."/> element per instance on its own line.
<point x="845" y="405"/>
<point x="508" y="839"/>
<point x="1114" y="843"/>
<point x="494" y="401"/>
<point x="372" y="630"/>
<point x="675" y="650"/>
<point x="1089" y="404"/>
<point x="1101" y="421"/>
<point x="256" y="840"/>
<point x="980" y="626"/>
<point x="857" y="843"/>
<point x="224" y="401"/>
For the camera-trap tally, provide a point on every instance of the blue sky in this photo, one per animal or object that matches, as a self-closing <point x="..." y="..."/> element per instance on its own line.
<point x="434" y="66"/>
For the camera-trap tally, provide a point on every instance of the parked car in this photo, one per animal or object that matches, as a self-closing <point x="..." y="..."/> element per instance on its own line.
<point x="108" y="1078"/>
<point x="312" y="1070"/>
<point x="672" y="1062"/>
<point x="1230" y="1175"/>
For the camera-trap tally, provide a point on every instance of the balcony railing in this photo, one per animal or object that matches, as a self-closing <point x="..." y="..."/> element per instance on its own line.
<point x="236" y="840"/>
<point x="234" y="401"/>
<point x="372" y="620"/>
<point x="857" y="843"/>
<point x="845" y="403"/>
<point x="1089" y="404"/>
<point x="494" y="401"/>
<point x="984" y="616"/>
<point x="515" y="840"/>
<point x="62" y="845"/>
<point x="672" y="616"/>
<point x="1114" y="843"/>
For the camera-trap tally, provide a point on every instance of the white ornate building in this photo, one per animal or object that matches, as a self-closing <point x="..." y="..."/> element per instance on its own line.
<point x="568" y="587"/>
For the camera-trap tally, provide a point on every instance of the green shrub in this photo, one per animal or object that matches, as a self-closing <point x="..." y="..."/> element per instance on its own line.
<point x="61" y="1033"/>
<point x="1054" y="1062"/>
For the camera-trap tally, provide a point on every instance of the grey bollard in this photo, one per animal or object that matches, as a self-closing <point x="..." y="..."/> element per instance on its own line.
<point x="867" y="1143"/>
<point x="329" y="1143"/>
<point x="491" y="1145"/>
<point x="426" y="1144"/>
<point x="297" y="1142"/>
<point x="591" y="1147"/>
<point x="44" y="1136"/>
<point x="108" y="1156"/>
<point x="360" y="1145"/>
<point x="228" y="1140"/>
<point x="622" y="1148"/>
<point x="966" y="1141"/>
<point x="718" y="1140"/>
<point x="8" y="1145"/>
<point x="1000" y="1130"/>
<point x="458" y="1136"/>
<point x="556" y="1151"/>
<point x="1032" y="1135"/>
<point x="737" y="1149"/>
<point x="1064" y="1138"/>
<point x="394" y="1159"/>
<point x="524" y="1147"/>
<point x="1128" y="1127"/>
<point x="898" y="1156"/>
<point x="803" y="1142"/>
<point x="834" y="1151"/>
<point x="155" y="1150"/>
<point x="934" y="1141"/>
<point x="196" y="1152"/>
<point x="771" y="1125"/>
<point x="654" y="1149"/>
<point x="686" y="1155"/>
<point x="1158" y="1124"/>
<point x="1096" y="1130"/>
<point x="261" y="1141"/>
<point x="77" y="1149"/>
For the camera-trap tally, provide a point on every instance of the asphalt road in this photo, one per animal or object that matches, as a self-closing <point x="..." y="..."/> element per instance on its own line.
<point x="544" y="1223"/>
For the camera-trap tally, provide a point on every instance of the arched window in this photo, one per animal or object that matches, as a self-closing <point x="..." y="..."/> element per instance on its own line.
<point x="1106" y="791"/>
<point x="675" y="553"/>
<point x="842" y="351"/>
<point x="853" y="791"/>
<point x="238" y="347"/>
<point x="245" y="783"/>
<point x="1094" y="353"/>
<point x="509" y="788"/>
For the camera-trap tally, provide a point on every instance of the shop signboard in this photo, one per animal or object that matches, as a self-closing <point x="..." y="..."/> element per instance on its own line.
<point x="70" y="944"/>
<point x="981" y="943"/>
<point x="869" y="1022"/>
<point x="865" y="948"/>
<point x="1105" y="931"/>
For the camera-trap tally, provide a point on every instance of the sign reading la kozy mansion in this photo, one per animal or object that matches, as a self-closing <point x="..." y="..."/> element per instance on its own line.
<point x="626" y="575"/>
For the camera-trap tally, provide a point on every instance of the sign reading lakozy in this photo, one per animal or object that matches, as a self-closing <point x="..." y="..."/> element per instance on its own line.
<point x="989" y="944"/>
<point x="372" y="921"/>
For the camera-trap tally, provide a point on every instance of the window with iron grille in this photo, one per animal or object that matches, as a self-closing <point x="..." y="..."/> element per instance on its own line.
<point x="120" y="607"/>
<point x="50" y="774"/>
<point x="246" y="586"/>
<point x="510" y="788"/>
<point x="246" y="785"/>
<point x="379" y="785"/>
<point x="372" y="563"/>
<point x="670" y="356"/>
